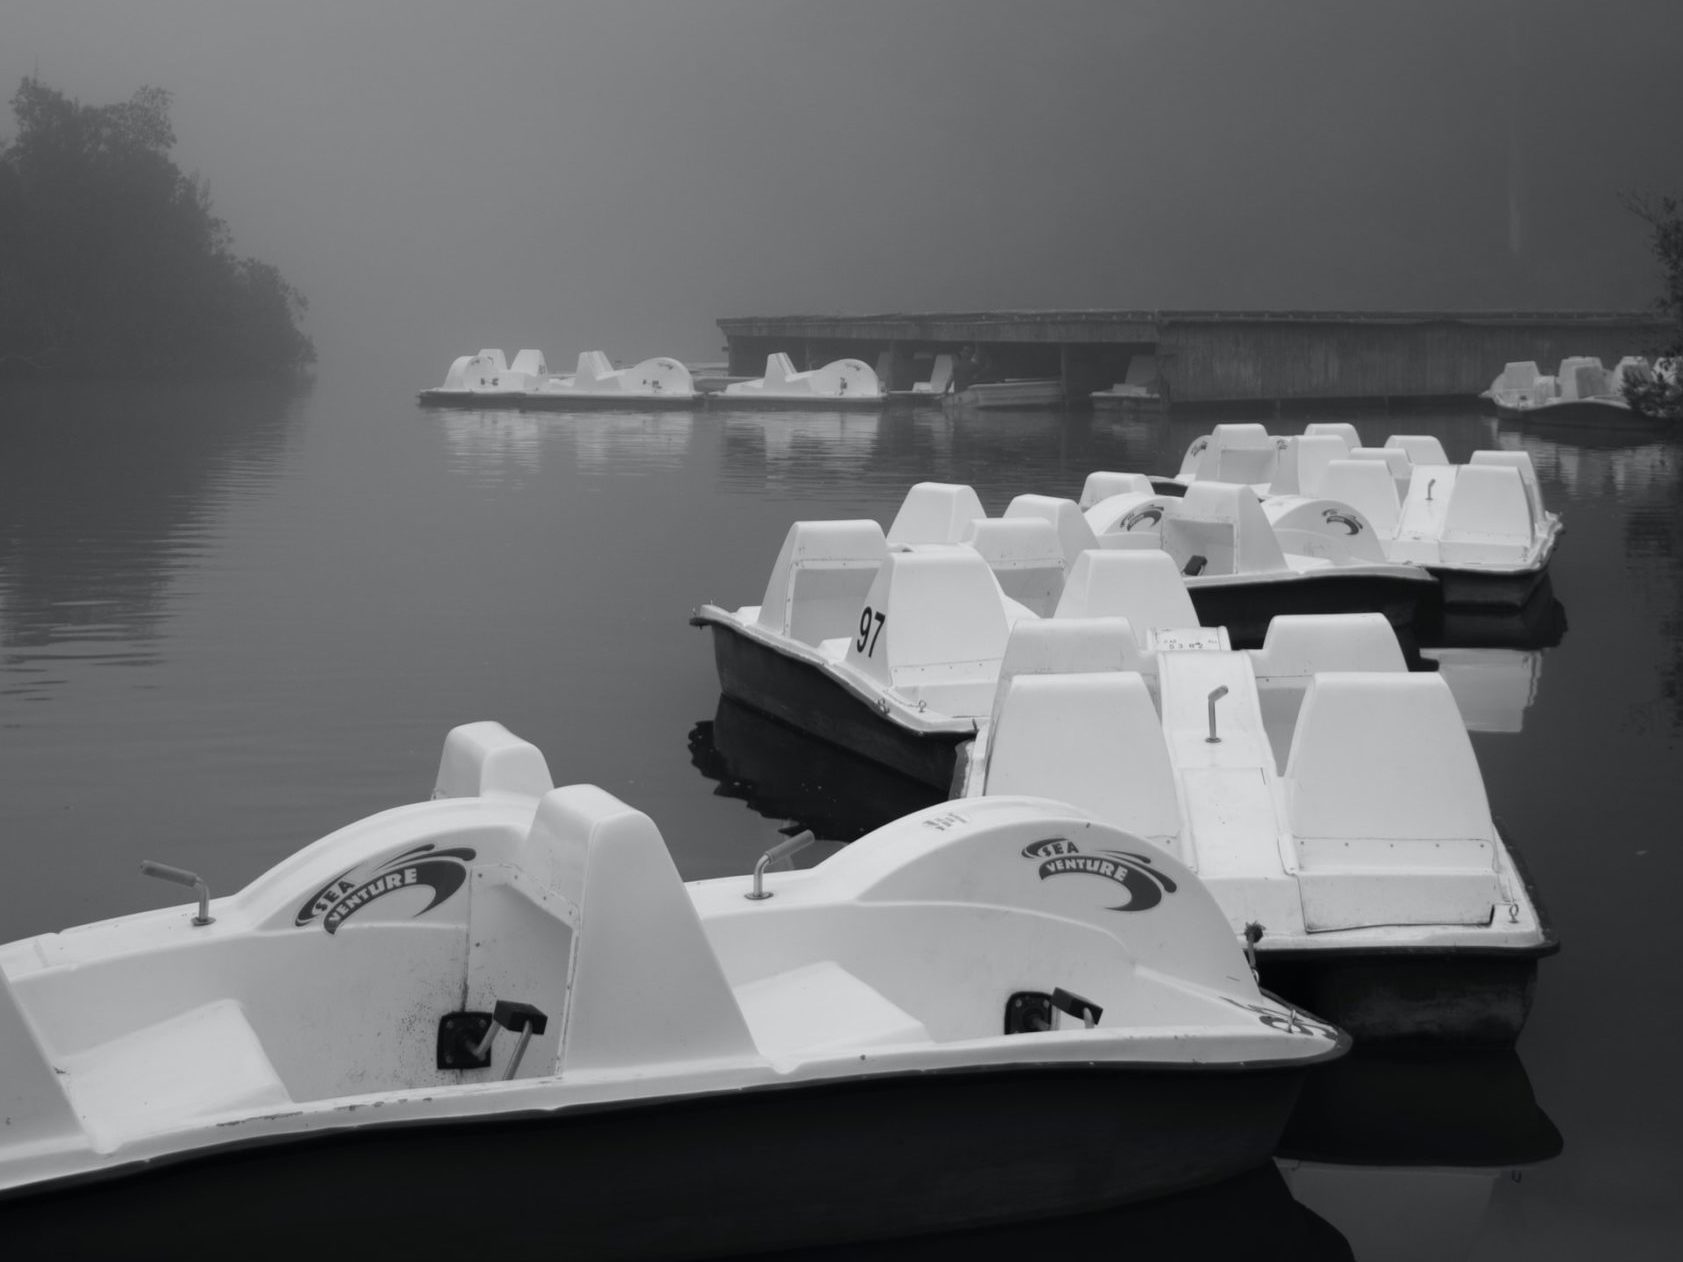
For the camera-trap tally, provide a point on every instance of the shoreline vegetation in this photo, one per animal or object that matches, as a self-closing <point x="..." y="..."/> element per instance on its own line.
<point x="112" y="261"/>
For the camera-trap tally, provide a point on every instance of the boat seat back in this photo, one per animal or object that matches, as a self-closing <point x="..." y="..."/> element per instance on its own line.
<point x="820" y="578"/>
<point x="941" y="373"/>
<point x="1581" y="377"/>
<point x="1094" y="741"/>
<point x="1520" y="460"/>
<point x="646" y="985"/>
<point x="1068" y="646"/>
<point x="1368" y="487"/>
<point x="1075" y="536"/>
<point x="934" y="617"/>
<point x="486" y="760"/>
<point x="1300" y="646"/>
<point x="1103" y="485"/>
<point x="1145" y="587"/>
<point x="1394" y="459"/>
<point x="594" y="371"/>
<point x="1203" y="458"/>
<point x="456" y="378"/>
<point x="1025" y="558"/>
<point x="1303" y="461"/>
<point x="1488" y="518"/>
<point x="530" y="362"/>
<point x="780" y="370"/>
<point x="1223" y="523"/>
<point x="1518" y="375"/>
<point x="1245" y="464"/>
<point x="1342" y="430"/>
<point x="1387" y="806"/>
<point x="1419" y="448"/>
<point x="935" y="512"/>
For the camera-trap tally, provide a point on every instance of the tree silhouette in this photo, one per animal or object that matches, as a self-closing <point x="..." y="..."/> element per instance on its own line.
<point x="112" y="261"/>
<point x="1661" y="394"/>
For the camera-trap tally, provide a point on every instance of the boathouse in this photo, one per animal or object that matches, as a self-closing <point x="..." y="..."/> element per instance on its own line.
<point x="1209" y="357"/>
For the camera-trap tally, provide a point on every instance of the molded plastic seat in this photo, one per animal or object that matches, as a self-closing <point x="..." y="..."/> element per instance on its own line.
<point x="487" y="760"/>
<point x="1419" y="448"/>
<point x="1368" y="487"/>
<point x="1094" y="741"/>
<point x="1387" y="805"/>
<point x="1102" y="485"/>
<point x="1075" y="536"/>
<point x="1488" y="518"/>
<point x="1302" y="463"/>
<point x="935" y="512"/>
<point x="1342" y="430"/>
<point x="1069" y="646"/>
<point x="1025" y="557"/>
<point x="820" y="578"/>
<point x="1145" y="587"/>
<point x="821" y="1007"/>
<point x="1224" y="523"/>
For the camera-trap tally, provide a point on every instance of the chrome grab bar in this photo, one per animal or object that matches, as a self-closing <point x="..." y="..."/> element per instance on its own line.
<point x="180" y="876"/>
<point x="1216" y="694"/>
<point x="782" y="850"/>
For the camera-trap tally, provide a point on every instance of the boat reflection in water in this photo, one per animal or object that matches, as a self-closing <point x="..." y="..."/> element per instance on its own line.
<point x="1493" y="660"/>
<point x="786" y="775"/>
<point x="1252" y="1215"/>
<point x="1405" y="1155"/>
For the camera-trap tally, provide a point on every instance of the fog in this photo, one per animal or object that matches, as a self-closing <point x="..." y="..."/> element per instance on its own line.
<point x="615" y="175"/>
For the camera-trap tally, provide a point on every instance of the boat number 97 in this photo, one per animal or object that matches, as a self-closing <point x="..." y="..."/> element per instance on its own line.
<point x="870" y="628"/>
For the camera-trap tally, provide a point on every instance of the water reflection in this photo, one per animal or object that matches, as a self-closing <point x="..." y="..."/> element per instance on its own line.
<point x="493" y="446"/>
<point x="107" y="494"/>
<point x="794" y="778"/>
<point x="1251" y="1216"/>
<point x="1406" y="1156"/>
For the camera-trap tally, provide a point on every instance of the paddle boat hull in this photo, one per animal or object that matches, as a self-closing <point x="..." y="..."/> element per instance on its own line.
<point x="485" y="381"/>
<point x="799" y="691"/>
<point x="728" y="1173"/>
<point x="1025" y="393"/>
<point x="1246" y="604"/>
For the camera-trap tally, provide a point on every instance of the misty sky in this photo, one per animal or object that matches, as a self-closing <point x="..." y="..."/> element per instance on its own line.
<point x="616" y="175"/>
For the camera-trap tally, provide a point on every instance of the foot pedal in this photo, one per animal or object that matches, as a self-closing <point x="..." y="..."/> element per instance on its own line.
<point x="1032" y="1011"/>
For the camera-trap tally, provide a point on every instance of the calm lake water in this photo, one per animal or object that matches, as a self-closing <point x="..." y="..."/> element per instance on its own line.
<point x="232" y="620"/>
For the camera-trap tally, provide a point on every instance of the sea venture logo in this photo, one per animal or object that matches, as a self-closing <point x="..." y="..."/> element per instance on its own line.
<point x="441" y="871"/>
<point x="1058" y="856"/>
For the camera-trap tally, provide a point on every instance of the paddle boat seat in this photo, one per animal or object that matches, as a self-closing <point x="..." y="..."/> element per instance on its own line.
<point x="1092" y="740"/>
<point x="1303" y="461"/>
<point x="1102" y="485"/>
<point x="1025" y="557"/>
<point x="935" y="512"/>
<point x="1387" y="807"/>
<point x="1143" y="586"/>
<point x="1421" y="449"/>
<point x="1075" y="536"/>
<point x="1368" y="487"/>
<point x="822" y="1008"/>
<point x="820" y="578"/>
<point x="1222" y="523"/>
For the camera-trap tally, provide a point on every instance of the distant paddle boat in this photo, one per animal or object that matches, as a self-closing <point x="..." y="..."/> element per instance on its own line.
<point x="840" y="383"/>
<point x="486" y="379"/>
<point x="1018" y="392"/>
<point x="422" y="1025"/>
<point x="1581" y="389"/>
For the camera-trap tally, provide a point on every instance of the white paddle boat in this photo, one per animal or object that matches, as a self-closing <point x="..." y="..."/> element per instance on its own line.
<point x="499" y="1018"/>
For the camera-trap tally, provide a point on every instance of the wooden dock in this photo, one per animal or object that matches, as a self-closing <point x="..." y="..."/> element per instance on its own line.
<point x="1211" y="357"/>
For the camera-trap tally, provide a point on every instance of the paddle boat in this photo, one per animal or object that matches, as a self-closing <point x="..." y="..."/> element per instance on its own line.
<point x="1139" y="393"/>
<point x="506" y="997"/>
<point x="596" y="383"/>
<point x="486" y="378"/>
<point x="1013" y="392"/>
<point x="929" y="390"/>
<point x="1581" y="389"/>
<point x="1481" y="528"/>
<point x="840" y="383"/>
<point x="891" y="645"/>
<point x="1330" y="799"/>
